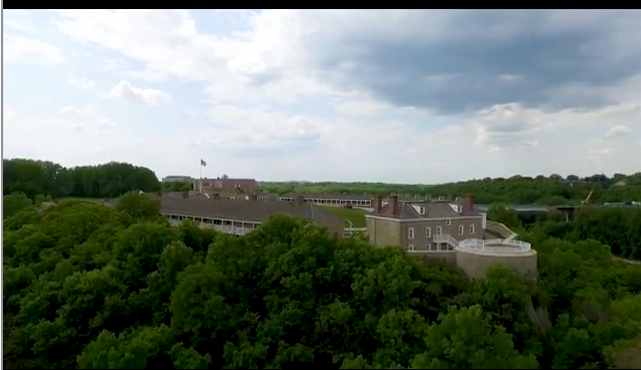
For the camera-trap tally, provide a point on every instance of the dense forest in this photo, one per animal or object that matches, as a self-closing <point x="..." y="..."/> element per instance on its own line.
<point x="618" y="227"/>
<point x="552" y="190"/>
<point x="89" y="286"/>
<point x="109" y="180"/>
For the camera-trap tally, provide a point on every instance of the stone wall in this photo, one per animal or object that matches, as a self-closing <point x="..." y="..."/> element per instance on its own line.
<point x="383" y="232"/>
<point x="476" y="262"/>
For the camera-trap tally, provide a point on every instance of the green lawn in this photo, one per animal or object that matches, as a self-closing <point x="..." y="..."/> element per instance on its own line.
<point x="355" y="215"/>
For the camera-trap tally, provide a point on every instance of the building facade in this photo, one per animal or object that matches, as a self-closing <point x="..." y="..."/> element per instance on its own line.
<point x="226" y="185"/>
<point x="239" y="218"/>
<point x="452" y="231"/>
<point x="423" y="225"/>
<point x="338" y="200"/>
<point x="177" y="179"/>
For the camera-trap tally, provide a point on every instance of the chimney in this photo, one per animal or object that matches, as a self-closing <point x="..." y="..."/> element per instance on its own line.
<point x="378" y="204"/>
<point x="468" y="203"/>
<point x="299" y="200"/>
<point x="393" y="203"/>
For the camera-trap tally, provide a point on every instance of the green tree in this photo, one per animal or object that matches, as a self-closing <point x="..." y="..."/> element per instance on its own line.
<point x="477" y="346"/>
<point x="501" y="214"/>
<point x="138" y="206"/>
<point x="14" y="203"/>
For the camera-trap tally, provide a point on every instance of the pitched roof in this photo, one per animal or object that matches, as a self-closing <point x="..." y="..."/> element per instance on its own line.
<point x="243" y="211"/>
<point x="331" y="196"/>
<point x="432" y="210"/>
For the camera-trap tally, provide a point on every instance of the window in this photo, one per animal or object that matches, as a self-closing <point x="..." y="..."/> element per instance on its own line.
<point x="410" y="247"/>
<point x="421" y="210"/>
<point x="410" y="233"/>
<point x="448" y="222"/>
<point x="460" y="230"/>
<point x="472" y="229"/>
<point x="439" y="230"/>
<point x="428" y="232"/>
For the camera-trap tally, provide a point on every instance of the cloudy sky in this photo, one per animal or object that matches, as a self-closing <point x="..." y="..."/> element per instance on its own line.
<point x="402" y="96"/>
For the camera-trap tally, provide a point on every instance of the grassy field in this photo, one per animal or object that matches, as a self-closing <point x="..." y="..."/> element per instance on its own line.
<point x="355" y="215"/>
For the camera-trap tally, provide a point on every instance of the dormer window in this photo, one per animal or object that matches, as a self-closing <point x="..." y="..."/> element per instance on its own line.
<point x="421" y="210"/>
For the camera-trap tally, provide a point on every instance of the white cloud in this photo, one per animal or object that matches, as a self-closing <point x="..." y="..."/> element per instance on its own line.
<point x="241" y="129"/>
<point x="508" y="125"/>
<point x="87" y="119"/>
<point x="81" y="82"/>
<point x="24" y="49"/>
<point x="114" y="64"/>
<point x="20" y="20"/>
<point x="529" y="144"/>
<point x="136" y="95"/>
<point x="360" y="108"/>
<point x="509" y="78"/>
<point x="618" y="131"/>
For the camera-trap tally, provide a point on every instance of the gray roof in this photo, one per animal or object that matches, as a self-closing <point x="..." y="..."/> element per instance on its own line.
<point x="244" y="211"/>
<point x="331" y="196"/>
<point x="432" y="210"/>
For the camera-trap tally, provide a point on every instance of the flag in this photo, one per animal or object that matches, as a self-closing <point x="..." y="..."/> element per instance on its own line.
<point x="203" y="163"/>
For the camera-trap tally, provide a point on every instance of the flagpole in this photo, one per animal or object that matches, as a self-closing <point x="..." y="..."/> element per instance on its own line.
<point x="200" y="174"/>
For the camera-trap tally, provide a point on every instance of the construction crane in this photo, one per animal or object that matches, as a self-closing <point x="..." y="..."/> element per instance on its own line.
<point x="589" y="197"/>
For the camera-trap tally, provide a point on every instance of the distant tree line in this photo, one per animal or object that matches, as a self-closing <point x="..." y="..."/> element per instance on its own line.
<point x="108" y="180"/>
<point x="552" y="190"/>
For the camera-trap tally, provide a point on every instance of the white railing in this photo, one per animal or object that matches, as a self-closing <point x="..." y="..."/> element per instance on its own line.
<point x="520" y="244"/>
<point x="495" y="245"/>
<point x="237" y="230"/>
<point x="360" y="229"/>
<point x="351" y="231"/>
<point x="472" y="244"/>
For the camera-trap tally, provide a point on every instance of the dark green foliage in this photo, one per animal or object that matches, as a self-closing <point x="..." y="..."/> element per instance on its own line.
<point x="553" y="190"/>
<point x="39" y="179"/>
<point x="14" y="203"/>
<point x="499" y="213"/>
<point x="89" y="286"/>
<point x="618" y="227"/>
<point x="138" y="206"/>
<point x="177" y="186"/>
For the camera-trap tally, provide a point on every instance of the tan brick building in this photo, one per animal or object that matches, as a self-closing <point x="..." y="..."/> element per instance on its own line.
<point x="423" y="225"/>
<point x="240" y="218"/>
<point x="225" y="184"/>
<point x="452" y="231"/>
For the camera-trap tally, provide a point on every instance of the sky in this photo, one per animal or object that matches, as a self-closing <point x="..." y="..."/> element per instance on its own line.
<point x="401" y="96"/>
